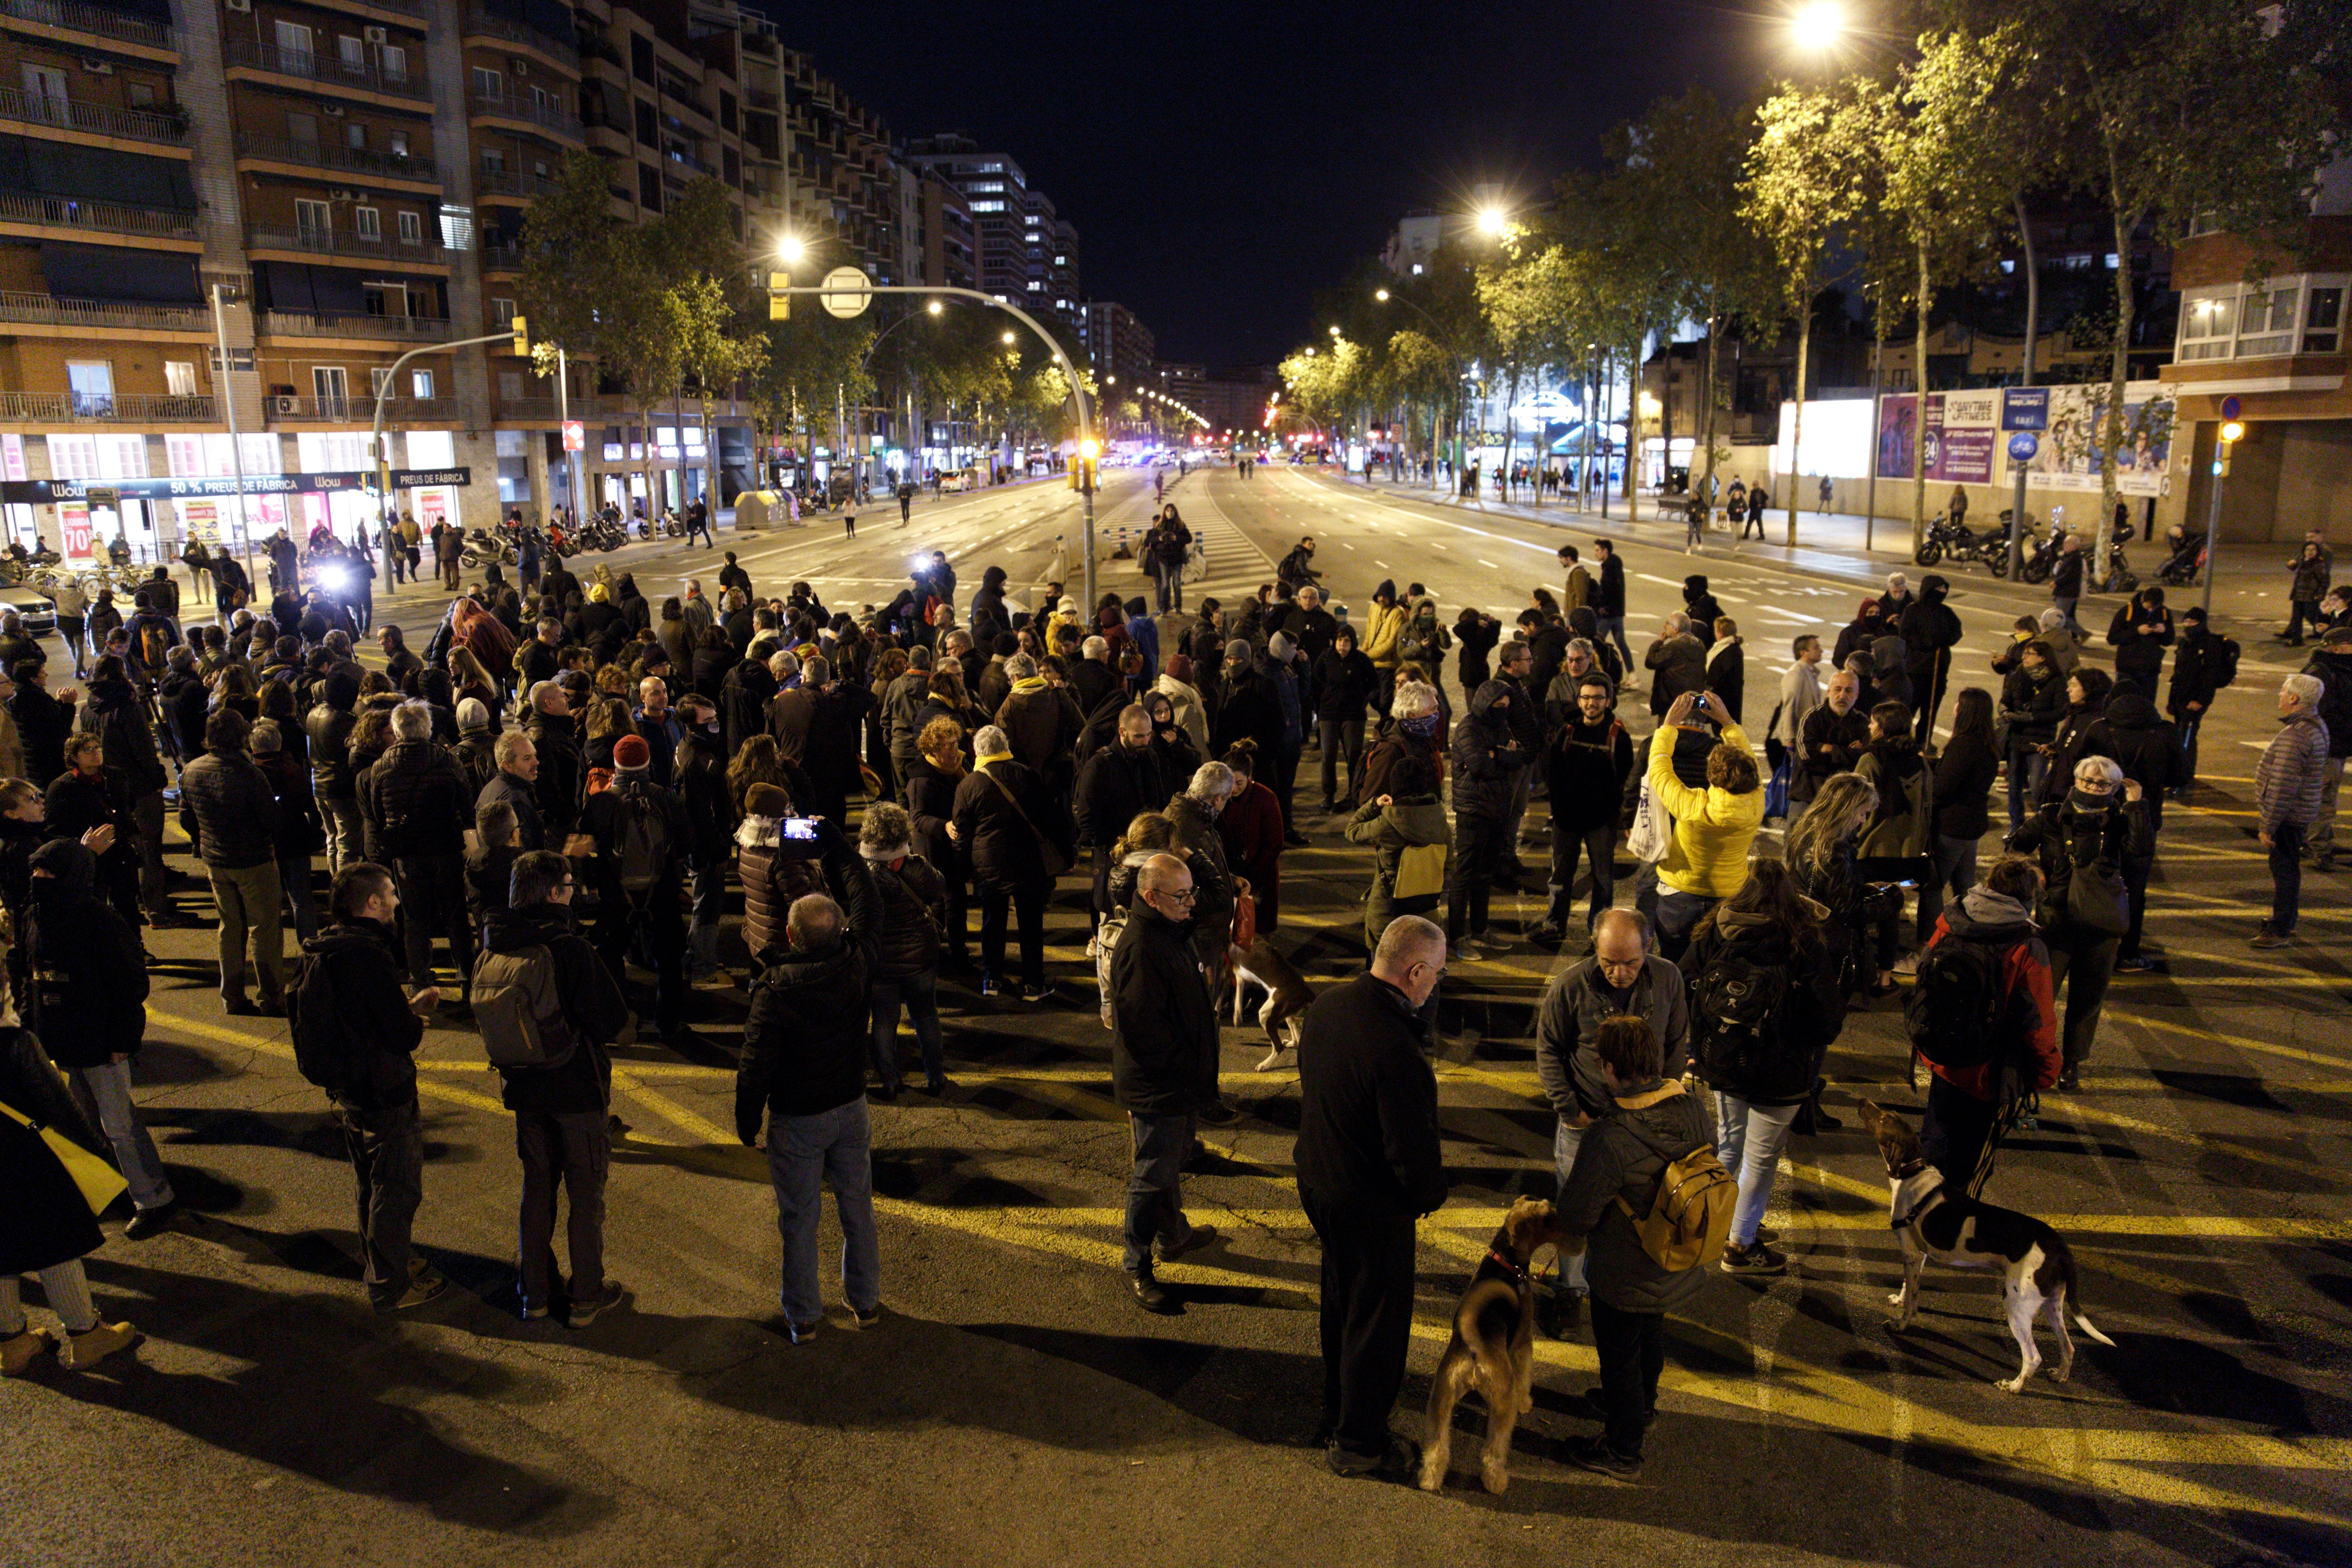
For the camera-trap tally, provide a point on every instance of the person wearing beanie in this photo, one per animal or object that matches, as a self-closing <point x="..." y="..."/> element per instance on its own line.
<point x="906" y="968"/>
<point x="1286" y="682"/>
<point x="641" y="836"/>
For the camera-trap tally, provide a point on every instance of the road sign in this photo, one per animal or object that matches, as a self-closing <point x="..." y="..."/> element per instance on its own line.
<point x="846" y="292"/>
<point x="2231" y="407"/>
<point x="2022" y="445"/>
<point x="575" y="436"/>
<point x="2025" y="409"/>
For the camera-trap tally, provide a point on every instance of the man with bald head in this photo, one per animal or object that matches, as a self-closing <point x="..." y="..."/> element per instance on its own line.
<point x="1622" y="976"/>
<point x="1369" y="1164"/>
<point x="1163" y="1068"/>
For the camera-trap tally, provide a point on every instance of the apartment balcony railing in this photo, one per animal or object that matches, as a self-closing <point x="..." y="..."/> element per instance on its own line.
<point x="97" y="20"/>
<point x="109" y="218"/>
<point x="304" y="324"/>
<point x="327" y="155"/>
<point x="367" y="74"/>
<point x="510" y="182"/>
<point x="760" y="98"/>
<point x="93" y="119"/>
<point x="481" y="23"/>
<point x="538" y="111"/>
<point x="326" y="242"/>
<point x="47" y="310"/>
<point x="359" y="408"/>
<point x="498" y="258"/>
<point x="106" y="408"/>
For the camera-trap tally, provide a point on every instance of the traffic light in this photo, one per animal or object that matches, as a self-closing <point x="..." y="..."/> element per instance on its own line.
<point x="780" y="304"/>
<point x="521" y="337"/>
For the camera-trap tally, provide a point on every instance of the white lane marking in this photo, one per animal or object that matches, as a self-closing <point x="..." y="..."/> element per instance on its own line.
<point x="1489" y="564"/>
<point x="1661" y="582"/>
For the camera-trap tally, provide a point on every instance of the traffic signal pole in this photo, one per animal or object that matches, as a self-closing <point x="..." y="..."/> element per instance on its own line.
<point x="375" y="432"/>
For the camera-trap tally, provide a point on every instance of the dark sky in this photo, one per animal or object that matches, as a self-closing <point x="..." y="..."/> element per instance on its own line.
<point x="1223" y="162"/>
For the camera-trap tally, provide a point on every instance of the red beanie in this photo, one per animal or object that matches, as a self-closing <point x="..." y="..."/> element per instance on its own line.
<point x="631" y="752"/>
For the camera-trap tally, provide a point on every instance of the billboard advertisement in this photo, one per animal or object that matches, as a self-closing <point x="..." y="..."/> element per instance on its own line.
<point x="1959" y="438"/>
<point x="1955" y="441"/>
<point x="2069" y="458"/>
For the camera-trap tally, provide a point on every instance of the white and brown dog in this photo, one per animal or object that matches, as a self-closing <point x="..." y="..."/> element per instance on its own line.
<point x="1493" y="1350"/>
<point x="1287" y="996"/>
<point x="1935" y="1220"/>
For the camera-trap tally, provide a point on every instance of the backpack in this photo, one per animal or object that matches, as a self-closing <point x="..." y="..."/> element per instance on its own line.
<point x="644" y="847"/>
<point x="313" y="1013"/>
<point x="1114" y="926"/>
<point x="2225" y="663"/>
<point x="1419" y="872"/>
<point x="1740" y="1014"/>
<point x="1690" y="1219"/>
<point x="1955" y="1012"/>
<point x="519" y="1010"/>
<point x="155" y="646"/>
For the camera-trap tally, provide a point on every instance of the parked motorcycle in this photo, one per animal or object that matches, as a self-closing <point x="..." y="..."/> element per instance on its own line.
<point x="2042" y="559"/>
<point x="1946" y="536"/>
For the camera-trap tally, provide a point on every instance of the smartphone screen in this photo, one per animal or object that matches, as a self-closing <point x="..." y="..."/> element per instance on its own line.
<point x="800" y="827"/>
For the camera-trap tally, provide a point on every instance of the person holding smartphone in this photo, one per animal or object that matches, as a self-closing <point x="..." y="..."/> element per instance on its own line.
<point x="1714" y="827"/>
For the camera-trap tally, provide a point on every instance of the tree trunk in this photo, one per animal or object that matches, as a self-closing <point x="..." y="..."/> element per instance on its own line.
<point x="1920" y="409"/>
<point x="1633" y="430"/>
<point x="2111" y="435"/>
<point x="1714" y="342"/>
<point x="1797" y="422"/>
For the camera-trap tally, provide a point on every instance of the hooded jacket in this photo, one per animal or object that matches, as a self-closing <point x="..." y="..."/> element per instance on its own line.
<point x="1625" y="1156"/>
<point x="1700" y="605"/>
<point x="1384" y="628"/>
<point x="371" y="1015"/>
<point x="1783" y="1068"/>
<point x="1929" y="631"/>
<point x="77" y="937"/>
<point x="1391" y="829"/>
<point x="1713" y="827"/>
<point x="1680" y="663"/>
<point x="2143" y="743"/>
<point x="804" y="1042"/>
<point x="592" y="1007"/>
<point x="1487" y="755"/>
<point x="1985" y="916"/>
<point x="1907" y="797"/>
<point x="2139" y="655"/>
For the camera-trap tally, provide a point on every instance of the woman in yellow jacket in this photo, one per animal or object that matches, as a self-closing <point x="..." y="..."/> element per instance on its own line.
<point x="1714" y="827"/>
<point x="1383" y="629"/>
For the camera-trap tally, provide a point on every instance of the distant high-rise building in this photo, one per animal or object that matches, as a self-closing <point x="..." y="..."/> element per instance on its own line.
<point x="1116" y="343"/>
<point x="1025" y="254"/>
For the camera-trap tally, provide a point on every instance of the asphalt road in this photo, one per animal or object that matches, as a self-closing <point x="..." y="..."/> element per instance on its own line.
<point x="1014" y="1406"/>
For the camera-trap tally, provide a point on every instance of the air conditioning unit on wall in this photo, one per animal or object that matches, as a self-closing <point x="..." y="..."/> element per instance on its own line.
<point x="375" y="35"/>
<point x="96" y="65"/>
<point x="285" y="406"/>
<point x="238" y="5"/>
<point x="518" y="67"/>
<point x="334" y="111"/>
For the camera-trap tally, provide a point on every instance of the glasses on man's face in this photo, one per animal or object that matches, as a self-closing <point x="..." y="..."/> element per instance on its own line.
<point x="1181" y="896"/>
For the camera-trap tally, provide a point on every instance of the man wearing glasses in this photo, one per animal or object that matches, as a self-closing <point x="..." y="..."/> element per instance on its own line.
<point x="1369" y="1166"/>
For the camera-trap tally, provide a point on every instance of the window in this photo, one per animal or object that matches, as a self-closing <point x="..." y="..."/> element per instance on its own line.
<point x="509" y="387"/>
<point x="330" y="387"/>
<point x="502" y="313"/>
<point x="2266" y="322"/>
<point x="646" y="135"/>
<point x="395" y="62"/>
<point x="142" y="95"/>
<point x="2278" y="316"/>
<point x="355" y="136"/>
<point x="641" y="57"/>
<point x="420" y="386"/>
<point x="399" y="143"/>
<point x="489" y="84"/>
<point x="494" y="161"/>
<point x="648" y="189"/>
<point x="302" y="129"/>
<point x="379" y="378"/>
<point x="294" y="45"/>
<point x="367" y="223"/>
<point x="386" y="299"/>
<point x="313" y="218"/>
<point x="180" y="377"/>
<point x="354" y="55"/>
<point x="538" y="167"/>
<point x="412" y="230"/>
<point x="988" y="206"/>
<point x="2320" y="325"/>
<point x="92" y="383"/>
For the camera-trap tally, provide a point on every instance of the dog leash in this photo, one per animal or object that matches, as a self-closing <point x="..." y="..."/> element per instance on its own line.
<point x="1909" y="1170"/>
<point x="1519" y="1274"/>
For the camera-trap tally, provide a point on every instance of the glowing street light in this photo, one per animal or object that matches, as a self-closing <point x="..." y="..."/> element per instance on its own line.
<point x="934" y="307"/>
<point x="1818" y="25"/>
<point x="1493" y="222"/>
<point x="1381" y="295"/>
<point x="790" y="250"/>
<point x="1335" y="332"/>
<point x="1008" y="338"/>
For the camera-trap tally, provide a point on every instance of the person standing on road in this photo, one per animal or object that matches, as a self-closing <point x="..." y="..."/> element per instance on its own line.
<point x="2067" y="580"/>
<point x="1714" y="827"/>
<point x="1929" y="630"/>
<point x="1163" y="1068"/>
<point x="417" y="806"/>
<point x="2332" y="668"/>
<point x="1005" y="818"/>
<point x="351" y="1000"/>
<point x="804" y="1068"/>
<point x="1678" y="661"/>
<point x="236" y="833"/>
<point x="2311" y="569"/>
<point x="2084" y="842"/>
<point x="697" y="521"/>
<point x="1969" y="1109"/>
<point x="2290" y="782"/>
<point x="1488" y="760"/>
<point x="1369" y="1164"/>
<point x="2201" y="666"/>
<point x="906" y="947"/>
<point x="1589" y="765"/>
<point x="2141" y="632"/>
<point x="2032" y="701"/>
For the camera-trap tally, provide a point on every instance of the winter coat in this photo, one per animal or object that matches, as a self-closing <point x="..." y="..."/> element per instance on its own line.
<point x="592" y="1007"/>
<point x="1681" y="666"/>
<point x="44" y="723"/>
<point x="76" y="934"/>
<point x="1713" y="827"/>
<point x="1115" y="785"/>
<point x="1191" y="711"/>
<point x="1610" y="604"/>
<point x="236" y="810"/>
<point x="1783" y="1069"/>
<point x="1368" y="1138"/>
<point x="300" y="834"/>
<point x="1383" y="629"/>
<point x="1985" y="916"/>
<point x="1004" y="840"/>
<point x="2066" y="576"/>
<point x="2142" y="744"/>
<point x="2033" y="705"/>
<point x="2063" y="837"/>
<point x="1589" y="768"/>
<point x="1041" y="722"/>
<point x="133" y="768"/>
<point x="1702" y="609"/>
<point x="416" y="801"/>
<point x="1213" y="899"/>
<point x="1163" y="1056"/>
<point x="1487" y="756"/>
<point x="914" y="917"/>
<point x="562" y="769"/>
<point x="1906" y="798"/>
<point x="1727" y="674"/>
<point x="1251" y="828"/>
<point x="1391" y="829"/>
<point x="1964" y="779"/>
<point x="2195" y="672"/>
<point x="1345" y="684"/>
<point x="46" y="1220"/>
<point x="774" y="870"/>
<point x="2333" y="670"/>
<point x="700" y="772"/>
<point x="1625" y="1156"/>
<point x="378" y="1032"/>
<point x="1250" y="709"/>
<point x="1425" y="639"/>
<point x="2289" y="780"/>
<point x="805" y="1042"/>
<point x="1929" y="631"/>
<point x="2139" y="656"/>
<point x="1568" y="1021"/>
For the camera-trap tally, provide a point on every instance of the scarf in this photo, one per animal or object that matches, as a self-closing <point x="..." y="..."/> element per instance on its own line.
<point x="1027" y="684"/>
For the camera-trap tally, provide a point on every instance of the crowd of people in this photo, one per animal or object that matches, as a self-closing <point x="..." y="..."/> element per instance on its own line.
<point x="558" y="795"/>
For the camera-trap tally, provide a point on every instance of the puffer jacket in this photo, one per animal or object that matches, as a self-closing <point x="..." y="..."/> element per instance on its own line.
<point x="1487" y="756"/>
<point x="237" y="811"/>
<point x="416" y="801"/>
<point x="1390" y="830"/>
<point x="2290" y="781"/>
<point x="1713" y="827"/>
<point x="1383" y="630"/>
<point x="914" y="916"/>
<point x="2063" y="838"/>
<point x="2032" y="708"/>
<point x="774" y="870"/>
<point x="328" y="727"/>
<point x="1625" y="1155"/>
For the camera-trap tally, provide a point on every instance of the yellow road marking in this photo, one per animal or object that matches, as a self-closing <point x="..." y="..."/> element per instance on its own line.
<point x="2243" y="1042"/>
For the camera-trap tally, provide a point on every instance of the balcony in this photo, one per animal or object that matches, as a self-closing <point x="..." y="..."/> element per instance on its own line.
<point x="101" y="315"/>
<point x="106" y="408"/>
<point x="344" y="159"/>
<point x="491" y="183"/>
<point x="104" y="217"/>
<point x="76" y="17"/>
<point x="359" y="408"/>
<point x="324" y="242"/>
<point x="544" y="113"/>
<point x="330" y="70"/>
<point x="303" y="324"/>
<point x="482" y="25"/>
<point x="498" y="257"/>
<point x="93" y="119"/>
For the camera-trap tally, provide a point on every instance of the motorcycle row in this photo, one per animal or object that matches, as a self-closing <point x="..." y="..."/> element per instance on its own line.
<point x="603" y="531"/>
<point x="2038" y="550"/>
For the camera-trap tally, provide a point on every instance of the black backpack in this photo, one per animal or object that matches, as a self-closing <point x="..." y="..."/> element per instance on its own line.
<point x="1739" y="1017"/>
<point x="642" y="849"/>
<point x="2225" y="663"/>
<point x="1954" y="1013"/>
<point x="313" y="1013"/>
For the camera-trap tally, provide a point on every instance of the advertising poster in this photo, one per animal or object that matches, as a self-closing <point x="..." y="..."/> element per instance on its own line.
<point x="1898" y="436"/>
<point x="73" y="523"/>
<point x="1956" y="440"/>
<point x="201" y="519"/>
<point x="2069" y="458"/>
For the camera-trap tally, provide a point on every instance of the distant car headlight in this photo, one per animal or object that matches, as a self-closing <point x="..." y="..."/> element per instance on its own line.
<point x="337" y="578"/>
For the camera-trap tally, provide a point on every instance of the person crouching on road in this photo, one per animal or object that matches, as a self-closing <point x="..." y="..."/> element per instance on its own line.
<point x="561" y="1110"/>
<point x="1163" y="1068"/>
<point x="804" y="1068"/>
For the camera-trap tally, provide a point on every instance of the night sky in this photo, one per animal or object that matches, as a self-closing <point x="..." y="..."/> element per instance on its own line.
<point x="1223" y="162"/>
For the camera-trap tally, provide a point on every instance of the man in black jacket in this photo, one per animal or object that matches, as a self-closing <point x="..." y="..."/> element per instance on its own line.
<point x="417" y="805"/>
<point x="237" y="832"/>
<point x="804" y="1068"/>
<point x="354" y="966"/>
<point x="516" y="785"/>
<point x="1589" y="763"/>
<point x="1929" y="630"/>
<point x="2196" y="678"/>
<point x="1488" y="763"/>
<point x="1609" y="600"/>
<point x="699" y="769"/>
<point x="641" y="838"/>
<point x="2141" y="632"/>
<point x="328" y="727"/>
<point x="43" y="720"/>
<point x="1369" y="1165"/>
<point x="1163" y="1068"/>
<point x="561" y="1110"/>
<point x="555" y="738"/>
<point x="1117" y="782"/>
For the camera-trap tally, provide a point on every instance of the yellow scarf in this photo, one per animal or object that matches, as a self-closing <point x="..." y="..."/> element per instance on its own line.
<point x="989" y="757"/>
<point x="1028" y="684"/>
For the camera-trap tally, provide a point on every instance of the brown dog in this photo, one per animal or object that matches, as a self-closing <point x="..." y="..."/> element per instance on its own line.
<point x="1493" y="1350"/>
<point x="1287" y="996"/>
<point x="1935" y="1220"/>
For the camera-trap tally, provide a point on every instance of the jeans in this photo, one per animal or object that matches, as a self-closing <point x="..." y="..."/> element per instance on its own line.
<point x="1155" y="1187"/>
<point x="1565" y="1142"/>
<point x="805" y="1153"/>
<point x="920" y="994"/>
<point x="433" y="903"/>
<point x="147" y="815"/>
<point x="387" y="1153"/>
<point x="1749" y="1139"/>
<point x="2287" y="877"/>
<point x="346" y="833"/>
<point x="1678" y="916"/>
<point x="294" y="876"/>
<point x="106" y="1101"/>
<point x="247" y="897"/>
<point x="1479" y="844"/>
<point x="2027" y="768"/>
<point x="2066" y="609"/>
<point x="1612" y="630"/>
<point x="1029" y="905"/>
<point x="1954" y="873"/>
<point x="1338" y="736"/>
<point x="1365" y="1316"/>
<point x="1598" y="846"/>
<point x="574" y="1149"/>
<point x="1954" y="1132"/>
<point x="2081" y="963"/>
<point x="1632" y="1348"/>
<point x="2187" y="725"/>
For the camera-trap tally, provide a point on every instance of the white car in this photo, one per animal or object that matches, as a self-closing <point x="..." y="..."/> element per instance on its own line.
<point x="957" y="479"/>
<point x="40" y="616"/>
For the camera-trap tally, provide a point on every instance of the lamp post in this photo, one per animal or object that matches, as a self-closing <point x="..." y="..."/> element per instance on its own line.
<point x="1445" y="341"/>
<point x="2229" y="436"/>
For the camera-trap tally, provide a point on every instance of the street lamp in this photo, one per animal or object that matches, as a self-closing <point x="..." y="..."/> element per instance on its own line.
<point x="934" y="307"/>
<point x="790" y="250"/>
<point x="1493" y="222"/>
<point x="1008" y="339"/>
<point x="1818" y="25"/>
<point x="1381" y="295"/>
<point x="1335" y="332"/>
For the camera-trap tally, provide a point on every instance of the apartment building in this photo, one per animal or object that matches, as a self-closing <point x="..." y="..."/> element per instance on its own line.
<point x="1119" y="347"/>
<point x="1023" y="252"/>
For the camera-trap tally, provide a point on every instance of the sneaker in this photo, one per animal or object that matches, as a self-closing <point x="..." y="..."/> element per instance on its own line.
<point x="1550" y="935"/>
<point x="1399" y="1461"/>
<point x="1594" y="1454"/>
<point x="2270" y="937"/>
<point x="424" y="1285"/>
<point x="585" y="1312"/>
<point x="1754" y="1258"/>
<point x="1468" y="951"/>
<point x="2070" y="1080"/>
<point x="1296" y="840"/>
<point x="1219" y="1114"/>
<point x="79" y="1352"/>
<point x="800" y="1333"/>
<point x="2139" y="964"/>
<point x="239" y="1007"/>
<point x="1036" y="993"/>
<point x="1907" y="964"/>
<point x="16" y="1354"/>
<point x="988" y="985"/>
<point x="152" y="1221"/>
<point x="533" y="1312"/>
<point x="1766" y="1233"/>
<point x="1149" y="1294"/>
<point x="1195" y="1239"/>
<point x="868" y="1316"/>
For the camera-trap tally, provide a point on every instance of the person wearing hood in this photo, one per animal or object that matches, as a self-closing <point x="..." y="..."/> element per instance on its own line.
<point x="1488" y="761"/>
<point x="2033" y="700"/>
<point x="561" y="1111"/>
<point x="1189" y="703"/>
<point x="1899" y="826"/>
<point x="987" y="618"/>
<point x="1929" y="630"/>
<point x="135" y="780"/>
<point x="1406" y="818"/>
<point x="1678" y="659"/>
<point x="638" y="865"/>
<point x="2087" y="690"/>
<point x="85" y="998"/>
<point x="1476" y="632"/>
<point x="2147" y="748"/>
<point x="1699" y="605"/>
<point x="2142" y="629"/>
<point x="2083" y="841"/>
<point x="1706" y="859"/>
<point x="1286" y="676"/>
<point x="329" y="728"/>
<point x="1383" y="632"/>
<point x="1969" y="1109"/>
<point x="1589" y="765"/>
<point x="1859" y="633"/>
<point x="1118" y="781"/>
<point x="44" y="718"/>
<point x="2197" y="671"/>
<point x="1423" y="641"/>
<point x="1346" y="682"/>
